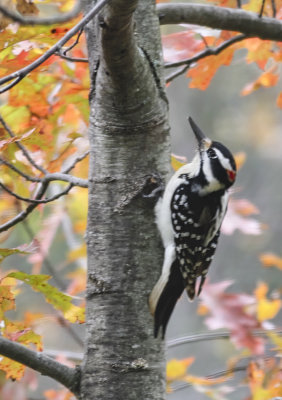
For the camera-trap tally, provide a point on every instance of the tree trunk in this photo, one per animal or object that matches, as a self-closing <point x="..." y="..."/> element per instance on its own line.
<point x="128" y="143"/>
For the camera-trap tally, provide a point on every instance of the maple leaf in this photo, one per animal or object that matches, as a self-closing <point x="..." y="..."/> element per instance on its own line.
<point x="232" y="311"/>
<point x="259" y="51"/>
<point x="176" y="369"/>
<point x="181" y="45"/>
<point x="279" y="100"/>
<point x="205" y="69"/>
<point x="52" y="295"/>
<point x="271" y="260"/>
<point x="267" y="79"/>
<point x="237" y="217"/>
<point x="266" y="309"/>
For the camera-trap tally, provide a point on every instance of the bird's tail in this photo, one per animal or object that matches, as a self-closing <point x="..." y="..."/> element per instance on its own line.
<point x="164" y="296"/>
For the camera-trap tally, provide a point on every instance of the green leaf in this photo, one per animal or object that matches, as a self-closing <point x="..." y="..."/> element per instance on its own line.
<point x="7" y="252"/>
<point x="52" y="295"/>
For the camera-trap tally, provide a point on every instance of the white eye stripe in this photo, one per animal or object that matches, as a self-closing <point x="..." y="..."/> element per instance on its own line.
<point x="225" y="162"/>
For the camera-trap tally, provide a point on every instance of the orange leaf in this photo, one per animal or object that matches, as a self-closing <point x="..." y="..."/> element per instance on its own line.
<point x="279" y="100"/>
<point x="271" y="260"/>
<point x="267" y="79"/>
<point x="202" y="74"/>
<point x="240" y="159"/>
<point x="205" y="381"/>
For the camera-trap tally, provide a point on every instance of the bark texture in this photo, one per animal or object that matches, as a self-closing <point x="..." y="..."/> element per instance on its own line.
<point x="128" y="143"/>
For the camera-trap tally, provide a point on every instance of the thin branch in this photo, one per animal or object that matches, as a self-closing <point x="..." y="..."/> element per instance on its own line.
<point x="18" y="171"/>
<point x="227" y="373"/>
<point x="29" y="20"/>
<point x="23" y="214"/>
<point x="209" y="51"/>
<point x="201" y="337"/>
<point x="57" y="176"/>
<point x="69" y="377"/>
<point x="34" y="201"/>
<point x="21" y="147"/>
<point x="262" y="8"/>
<point x="229" y="19"/>
<point x="69" y="48"/>
<point x="61" y="54"/>
<point x="75" y="161"/>
<point x="17" y="76"/>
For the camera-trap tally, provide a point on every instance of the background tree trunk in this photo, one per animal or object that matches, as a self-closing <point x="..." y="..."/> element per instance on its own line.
<point x="128" y="143"/>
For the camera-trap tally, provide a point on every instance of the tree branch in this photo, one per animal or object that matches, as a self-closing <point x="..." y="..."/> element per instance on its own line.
<point x="209" y="51"/>
<point x="18" y="171"/>
<point x="34" y="201"/>
<point x="28" y="20"/>
<point x="201" y="337"/>
<point x="221" y="18"/>
<point x="21" y="147"/>
<point x="17" y="76"/>
<point x="69" y="377"/>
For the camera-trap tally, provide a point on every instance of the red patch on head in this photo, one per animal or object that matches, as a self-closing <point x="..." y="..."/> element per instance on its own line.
<point x="231" y="175"/>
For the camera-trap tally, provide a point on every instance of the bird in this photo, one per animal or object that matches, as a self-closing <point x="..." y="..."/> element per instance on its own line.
<point x="189" y="215"/>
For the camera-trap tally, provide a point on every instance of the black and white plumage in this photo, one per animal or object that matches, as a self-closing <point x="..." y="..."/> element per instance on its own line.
<point x="189" y="216"/>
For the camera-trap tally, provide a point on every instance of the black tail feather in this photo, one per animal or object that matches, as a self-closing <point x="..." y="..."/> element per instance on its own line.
<point x="171" y="293"/>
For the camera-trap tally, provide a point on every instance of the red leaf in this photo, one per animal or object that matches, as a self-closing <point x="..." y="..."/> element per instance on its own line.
<point x="232" y="311"/>
<point x="179" y="46"/>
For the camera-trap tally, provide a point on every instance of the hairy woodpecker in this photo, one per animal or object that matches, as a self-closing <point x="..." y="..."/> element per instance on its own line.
<point x="189" y="216"/>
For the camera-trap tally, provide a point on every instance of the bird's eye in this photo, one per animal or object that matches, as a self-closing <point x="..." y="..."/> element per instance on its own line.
<point x="212" y="154"/>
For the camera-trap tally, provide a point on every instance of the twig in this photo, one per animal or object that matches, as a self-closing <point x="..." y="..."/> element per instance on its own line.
<point x="205" y="53"/>
<point x="261" y="8"/>
<point x="57" y="176"/>
<point x="273" y="5"/>
<point x="72" y="59"/>
<point x="34" y="201"/>
<point x="69" y="48"/>
<point x="219" y="374"/>
<point x="18" y="171"/>
<point x="73" y="164"/>
<point x="20" y="74"/>
<point x="21" y="147"/>
<point x="69" y="377"/>
<point x="23" y="214"/>
<point x="29" y="20"/>
<point x="200" y="337"/>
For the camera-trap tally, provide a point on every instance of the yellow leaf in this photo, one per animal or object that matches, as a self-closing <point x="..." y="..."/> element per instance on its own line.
<point x="240" y="159"/>
<point x="80" y="252"/>
<point x="177" y="162"/>
<point x="266" y="309"/>
<point x="276" y="339"/>
<point x="176" y="369"/>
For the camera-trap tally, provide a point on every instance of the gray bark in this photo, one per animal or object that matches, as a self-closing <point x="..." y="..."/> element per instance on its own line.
<point x="128" y="143"/>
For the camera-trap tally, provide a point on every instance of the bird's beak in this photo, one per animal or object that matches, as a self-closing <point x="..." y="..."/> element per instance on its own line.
<point x="203" y="140"/>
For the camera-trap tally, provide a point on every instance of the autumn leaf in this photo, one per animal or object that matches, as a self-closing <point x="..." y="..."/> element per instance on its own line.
<point x="180" y="46"/>
<point x="237" y="217"/>
<point x="232" y="311"/>
<point x="279" y="100"/>
<point x="176" y="369"/>
<point x="267" y="79"/>
<point x="52" y="295"/>
<point x="271" y="260"/>
<point x="240" y="159"/>
<point x="202" y="74"/>
<point x="266" y="309"/>
<point x="8" y="252"/>
<point x="177" y="162"/>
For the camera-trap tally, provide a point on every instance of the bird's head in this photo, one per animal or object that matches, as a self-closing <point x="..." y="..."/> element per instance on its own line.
<point x="217" y="164"/>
